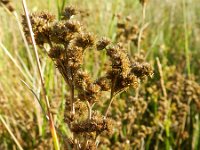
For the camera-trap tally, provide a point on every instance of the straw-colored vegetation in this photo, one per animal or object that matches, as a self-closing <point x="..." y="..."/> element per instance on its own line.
<point x="101" y="74"/>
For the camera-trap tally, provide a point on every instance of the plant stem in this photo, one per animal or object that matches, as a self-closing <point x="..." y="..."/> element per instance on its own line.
<point x="143" y="13"/>
<point x="72" y="101"/>
<point x="186" y="39"/>
<point x="89" y="110"/>
<point x="142" y="27"/>
<point x="24" y="39"/>
<point x="10" y="132"/>
<point x="161" y="78"/>
<point x="109" y="105"/>
<point x="51" y="124"/>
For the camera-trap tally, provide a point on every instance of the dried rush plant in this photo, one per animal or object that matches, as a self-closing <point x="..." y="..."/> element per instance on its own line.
<point x="68" y="41"/>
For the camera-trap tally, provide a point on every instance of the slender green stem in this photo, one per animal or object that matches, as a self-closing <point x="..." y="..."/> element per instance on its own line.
<point x="58" y="8"/>
<point x="24" y="39"/>
<point x="109" y="105"/>
<point x="142" y="27"/>
<point x="51" y="123"/>
<point x="186" y="42"/>
<point x="63" y="4"/>
<point x="15" y="62"/>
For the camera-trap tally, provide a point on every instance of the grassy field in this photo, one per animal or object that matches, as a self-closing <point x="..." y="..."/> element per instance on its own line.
<point x="136" y="88"/>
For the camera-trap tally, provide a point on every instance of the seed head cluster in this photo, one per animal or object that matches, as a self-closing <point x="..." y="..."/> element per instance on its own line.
<point x="68" y="42"/>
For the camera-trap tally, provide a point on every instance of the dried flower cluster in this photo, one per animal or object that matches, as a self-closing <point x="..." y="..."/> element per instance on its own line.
<point x="185" y="93"/>
<point x="137" y="121"/>
<point x="68" y="42"/>
<point x="127" y="31"/>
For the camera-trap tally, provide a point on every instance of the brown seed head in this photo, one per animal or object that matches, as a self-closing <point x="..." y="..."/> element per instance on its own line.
<point x="69" y="12"/>
<point x="56" y="52"/>
<point x="41" y="26"/>
<point x="120" y="60"/>
<point x="101" y="44"/>
<point x="104" y="83"/>
<point x="84" y="40"/>
<point x="97" y="125"/>
<point x="142" y="70"/>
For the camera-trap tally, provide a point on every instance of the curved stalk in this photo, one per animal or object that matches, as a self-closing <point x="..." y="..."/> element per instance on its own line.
<point x="51" y="123"/>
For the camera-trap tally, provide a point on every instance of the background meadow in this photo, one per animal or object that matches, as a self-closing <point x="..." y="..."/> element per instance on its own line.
<point x="161" y="113"/>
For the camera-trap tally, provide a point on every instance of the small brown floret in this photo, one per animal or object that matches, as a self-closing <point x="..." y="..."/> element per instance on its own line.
<point x="101" y="44"/>
<point x="69" y="12"/>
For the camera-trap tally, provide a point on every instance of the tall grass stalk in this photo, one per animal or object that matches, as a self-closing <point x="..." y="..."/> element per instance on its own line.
<point x="24" y="39"/>
<point x="60" y="7"/>
<point x="10" y="132"/>
<point x="51" y="123"/>
<point x="186" y="40"/>
<point x="15" y="62"/>
<point x="143" y="26"/>
<point x="167" y="117"/>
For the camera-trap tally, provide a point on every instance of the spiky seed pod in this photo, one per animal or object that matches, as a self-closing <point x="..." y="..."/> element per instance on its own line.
<point x="120" y="60"/>
<point x="74" y="57"/>
<point x="121" y="83"/>
<point x="57" y="52"/>
<point x="88" y="91"/>
<point x="93" y="88"/>
<point x="104" y="83"/>
<point x="84" y="40"/>
<point x="97" y="125"/>
<point x="82" y="79"/>
<point x="73" y="26"/>
<point x="64" y="31"/>
<point x="142" y="70"/>
<point x="90" y="94"/>
<point x="41" y="26"/>
<point x="101" y="44"/>
<point x="69" y="12"/>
